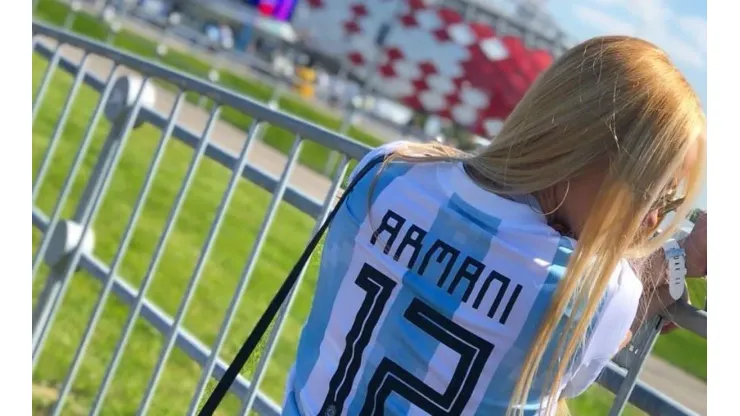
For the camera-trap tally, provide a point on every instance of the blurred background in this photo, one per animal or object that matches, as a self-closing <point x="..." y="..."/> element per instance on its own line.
<point x="378" y="71"/>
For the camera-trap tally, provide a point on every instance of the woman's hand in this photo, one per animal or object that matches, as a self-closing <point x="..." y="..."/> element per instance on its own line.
<point x="695" y="245"/>
<point x="656" y="296"/>
<point x="671" y="326"/>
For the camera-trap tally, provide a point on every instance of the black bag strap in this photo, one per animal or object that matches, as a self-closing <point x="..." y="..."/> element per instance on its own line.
<point x="272" y="309"/>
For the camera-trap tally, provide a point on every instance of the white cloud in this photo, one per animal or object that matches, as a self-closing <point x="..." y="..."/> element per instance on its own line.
<point x="683" y="37"/>
<point x="695" y="27"/>
<point x="604" y="21"/>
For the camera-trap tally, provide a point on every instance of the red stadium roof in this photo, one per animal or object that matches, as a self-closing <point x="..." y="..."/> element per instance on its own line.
<point x="432" y="60"/>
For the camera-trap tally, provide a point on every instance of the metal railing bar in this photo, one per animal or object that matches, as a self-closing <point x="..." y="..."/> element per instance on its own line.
<point x="46" y="80"/>
<point x="246" y="274"/>
<point x="256" y="109"/>
<point x="59" y="126"/>
<point x="254" y="174"/>
<point x="118" y="257"/>
<point x="89" y="212"/>
<point x="162" y="322"/>
<point x="688" y="317"/>
<point x="200" y="265"/>
<point x="76" y="165"/>
<point x="153" y="266"/>
<point x="276" y="330"/>
<point x="643" y="396"/>
<point x="224" y="157"/>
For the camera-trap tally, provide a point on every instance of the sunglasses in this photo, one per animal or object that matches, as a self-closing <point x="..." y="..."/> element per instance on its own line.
<point x="668" y="203"/>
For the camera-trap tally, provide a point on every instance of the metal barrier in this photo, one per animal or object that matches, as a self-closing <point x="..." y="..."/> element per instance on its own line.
<point x="127" y="101"/>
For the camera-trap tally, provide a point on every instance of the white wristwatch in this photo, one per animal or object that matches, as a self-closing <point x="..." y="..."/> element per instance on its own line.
<point x="676" y="258"/>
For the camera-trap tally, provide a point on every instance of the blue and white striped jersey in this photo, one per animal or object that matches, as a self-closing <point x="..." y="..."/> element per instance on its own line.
<point x="429" y="294"/>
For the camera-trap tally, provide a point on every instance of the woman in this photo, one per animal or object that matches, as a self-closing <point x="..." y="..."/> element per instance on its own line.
<point x="502" y="282"/>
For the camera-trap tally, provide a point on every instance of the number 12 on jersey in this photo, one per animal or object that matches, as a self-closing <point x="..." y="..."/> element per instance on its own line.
<point x="390" y="377"/>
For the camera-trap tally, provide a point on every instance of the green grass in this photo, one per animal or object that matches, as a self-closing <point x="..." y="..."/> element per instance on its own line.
<point x="284" y="243"/>
<point x="597" y="401"/>
<point x="312" y="155"/>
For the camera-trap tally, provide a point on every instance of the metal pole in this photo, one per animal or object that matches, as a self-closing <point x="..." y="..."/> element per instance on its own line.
<point x="61" y="272"/>
<point x="342" y="77"/>
<point x="199" y="267"/>
<point x="52" y="288"/>
<point x="285" y="308"/>
<point x="46" y="81"/>
<point x="74" y="7"/>
<point x="349" y="118"/>
<point x="74" y="367"/>
<point x="59" y="127"/>
<point x="156" y="258"/>
<point x="635" y="367"/>
<point x="347" y="121"/>
<point x="109" y="18"/>
<point x="246" y="274"/>
<point x="76" y="164"/>
<point x="214" y="75"/>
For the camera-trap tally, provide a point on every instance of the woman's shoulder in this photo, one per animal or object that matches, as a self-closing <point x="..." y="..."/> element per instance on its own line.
<point x="382" y="150"/>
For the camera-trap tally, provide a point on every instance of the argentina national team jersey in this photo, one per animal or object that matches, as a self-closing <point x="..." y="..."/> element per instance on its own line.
<point x="429" y="294"/>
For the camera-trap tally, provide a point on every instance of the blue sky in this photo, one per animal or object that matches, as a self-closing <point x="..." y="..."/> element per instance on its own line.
<point x="677" y="26"/>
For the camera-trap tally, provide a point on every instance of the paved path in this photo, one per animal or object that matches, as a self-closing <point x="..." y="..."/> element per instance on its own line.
<point x="224" y="134"/>
<point x="676" y="384"/>
<point x="236" y="67"/>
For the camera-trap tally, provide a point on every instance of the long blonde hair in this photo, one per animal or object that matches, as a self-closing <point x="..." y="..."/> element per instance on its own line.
<point x="617" y="99"/>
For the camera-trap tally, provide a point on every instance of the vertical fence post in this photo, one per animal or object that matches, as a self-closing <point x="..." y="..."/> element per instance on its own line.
<point x="59" y="127"/>
<point x="203" y="256"/>
<point x="274" y="104"/>
<point x="213" y="76"/>
<point x="72" y="174"/>
<point x="343" y="78"/>
<point x="225" y="44"/>
<point x="74" y="7"/>
<point x="245" y="276"/>
<point x="71" y="236"/>
<point x="46" y="80"/>
<point x="67" y="235"/>
<point x="633" y="358"/>
<point x="277" y="328"/>
<point x="148" y="277"/>
<point x="64" y="238"/>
